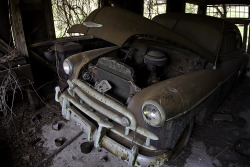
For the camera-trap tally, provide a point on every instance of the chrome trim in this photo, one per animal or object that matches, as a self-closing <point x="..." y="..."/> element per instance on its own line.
<point x="109" y="102"/>
<point x="97" y="107"/>
<point x="85" y="125"/>
<point x="126" y="154"/>
<point x="129" y="138"/>
<point x="88" y="112"/>
<point x="70" y="100"/>
<point x="113" y="104"/>
<point x="133" y="156"/>
<point x="160" y="109"/>
<point x="57" y="89"/>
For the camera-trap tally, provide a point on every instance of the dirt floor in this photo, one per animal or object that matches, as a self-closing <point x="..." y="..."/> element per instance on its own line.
<point x="29" y="140"/>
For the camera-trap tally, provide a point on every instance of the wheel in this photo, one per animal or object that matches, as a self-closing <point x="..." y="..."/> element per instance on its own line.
<point x="183" y="139"/>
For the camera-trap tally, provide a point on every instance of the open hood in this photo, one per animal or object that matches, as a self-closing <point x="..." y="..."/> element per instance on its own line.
<point x="116" y="25"/>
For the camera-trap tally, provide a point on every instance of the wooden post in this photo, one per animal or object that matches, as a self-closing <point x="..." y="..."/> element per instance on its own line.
<point x="104" y="3"/>
<point x="176" y="6"/>
<point x="202" y="9"/>
<point x="17" y="27"/>
<point x="244" y="46"/>
<point x="135" y="6"/>
<point x="248" y="47"/>
<point x="49" y="19"/>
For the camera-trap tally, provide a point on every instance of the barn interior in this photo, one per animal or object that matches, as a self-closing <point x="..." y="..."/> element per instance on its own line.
<point x="33" y="45"/>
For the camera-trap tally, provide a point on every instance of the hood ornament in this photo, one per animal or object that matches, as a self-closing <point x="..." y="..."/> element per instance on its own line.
<point x="90" y="24"/>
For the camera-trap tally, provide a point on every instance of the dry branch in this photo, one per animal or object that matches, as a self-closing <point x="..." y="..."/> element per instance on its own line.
<point x="69" y="12"/>
<point x="9" y="82"/>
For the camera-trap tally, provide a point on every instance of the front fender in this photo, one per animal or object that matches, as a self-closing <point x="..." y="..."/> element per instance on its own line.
<point x="180" y="94"/>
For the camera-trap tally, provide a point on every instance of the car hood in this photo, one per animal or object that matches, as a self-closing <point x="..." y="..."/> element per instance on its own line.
<point x="116" y="25"/>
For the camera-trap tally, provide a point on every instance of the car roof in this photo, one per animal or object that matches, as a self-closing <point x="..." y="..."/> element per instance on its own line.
<point x="218" y="23"/>
<point x="205" y="31"/>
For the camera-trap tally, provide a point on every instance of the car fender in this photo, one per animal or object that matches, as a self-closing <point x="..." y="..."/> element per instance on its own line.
<point x="79" y="60"/>
<point x="180" y="94"/>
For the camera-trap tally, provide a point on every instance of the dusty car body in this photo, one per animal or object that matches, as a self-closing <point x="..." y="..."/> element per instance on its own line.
<point x="140" y="98"/>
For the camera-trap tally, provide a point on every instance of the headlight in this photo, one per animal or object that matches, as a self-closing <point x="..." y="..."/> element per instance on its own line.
<point x="153" y="113"/>
<point x="67" y="66"/>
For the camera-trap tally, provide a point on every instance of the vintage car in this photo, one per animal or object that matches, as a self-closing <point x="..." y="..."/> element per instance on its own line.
<point x="139" y="98"/>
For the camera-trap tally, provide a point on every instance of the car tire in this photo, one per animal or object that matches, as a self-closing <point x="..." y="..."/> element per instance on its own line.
<point x="183" y="139"/>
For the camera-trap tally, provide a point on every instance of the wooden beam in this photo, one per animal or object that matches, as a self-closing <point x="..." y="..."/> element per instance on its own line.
<point x="248" y="47"/>
<point x="237" y="20"/>
<point x="176" y="6"/>
<point x="135" y="6"/>
<point x="244" y="46"/>
<point x="49" y="19"/>
<point x="202" y="9"/>
<point x="104" y="3"/>
<point x="17" y="27"/>
<point x="42" y="61"/>
<point x="197" y="2"/>
<point x="213" y="2"/>
<point x="60" y="40"/>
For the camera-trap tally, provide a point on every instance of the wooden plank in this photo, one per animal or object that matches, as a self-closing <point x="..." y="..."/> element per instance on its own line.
<point x="17" y="27"/>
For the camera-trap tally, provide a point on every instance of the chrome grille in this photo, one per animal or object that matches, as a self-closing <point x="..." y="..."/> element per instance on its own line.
<point x="80" y="91"/>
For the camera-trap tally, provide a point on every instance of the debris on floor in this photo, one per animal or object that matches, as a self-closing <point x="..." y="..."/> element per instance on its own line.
<point x="59" y="141"/>
<point x="57" y="125"/>
<point x="31" y="138"/>
<point x="86" y="147"/>
<point x="23" y="133"/>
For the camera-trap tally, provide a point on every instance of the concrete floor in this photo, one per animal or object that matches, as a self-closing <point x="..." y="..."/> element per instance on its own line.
<point x="212" y="144"/>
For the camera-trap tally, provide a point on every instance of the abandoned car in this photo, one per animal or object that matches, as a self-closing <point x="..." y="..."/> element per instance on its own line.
<point x="139" y="98"/>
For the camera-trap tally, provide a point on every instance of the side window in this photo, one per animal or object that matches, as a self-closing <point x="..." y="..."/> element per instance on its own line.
<point x="231" y="42"/>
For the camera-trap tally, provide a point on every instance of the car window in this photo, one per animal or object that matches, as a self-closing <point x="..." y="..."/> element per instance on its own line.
<point x="231" y="42"/>
<point x="167" y="22"/>
<point x="203" y="35"/>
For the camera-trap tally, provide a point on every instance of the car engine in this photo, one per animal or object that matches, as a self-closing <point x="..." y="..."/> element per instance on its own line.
<point x="124" y="73"/>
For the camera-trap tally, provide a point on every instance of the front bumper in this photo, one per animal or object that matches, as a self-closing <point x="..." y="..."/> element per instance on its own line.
<point x="96" y="114"/>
